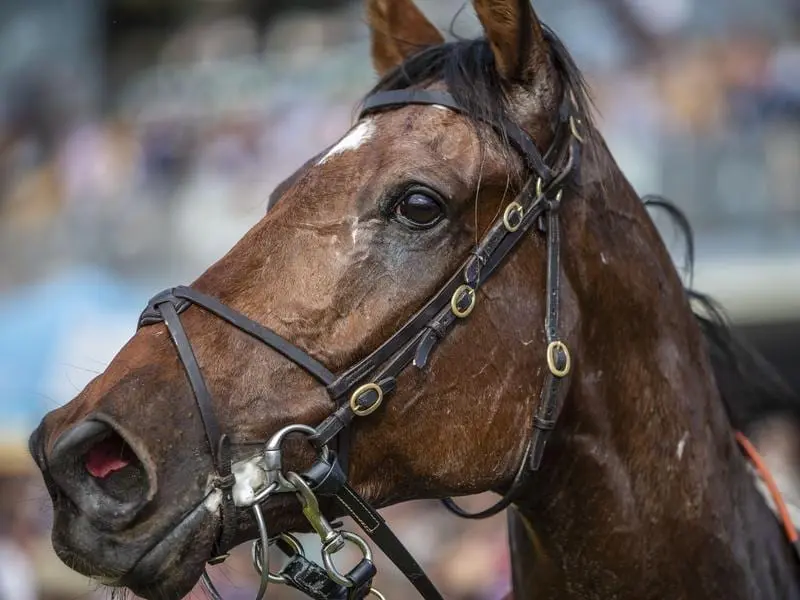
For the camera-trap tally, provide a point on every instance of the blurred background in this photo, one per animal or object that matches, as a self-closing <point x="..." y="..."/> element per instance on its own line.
<point x="139" y="139"/>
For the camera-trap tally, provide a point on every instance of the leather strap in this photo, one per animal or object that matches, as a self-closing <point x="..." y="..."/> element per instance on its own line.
<point x="550" y="405"/>
<point x="311" y="579"/>
<point x="225" y="482"/>
<point x="165" y="306"/>
<point x="195" y="375"/>
<point x="415" y="341"/>
<point x="257" y="331"/>
<point x="376" y="528"/>
<point x="553" y="390"/>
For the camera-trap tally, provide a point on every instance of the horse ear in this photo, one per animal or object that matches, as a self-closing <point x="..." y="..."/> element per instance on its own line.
<point x="399" y="29"/>
<point x="515" y="36"/>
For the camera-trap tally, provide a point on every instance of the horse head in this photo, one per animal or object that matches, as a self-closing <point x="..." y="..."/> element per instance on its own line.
<point x="466" y="268"/>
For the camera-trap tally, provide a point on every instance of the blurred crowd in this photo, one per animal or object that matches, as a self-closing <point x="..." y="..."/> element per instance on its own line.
<point x="155" y="179"/>
<point x="204" y="134"/>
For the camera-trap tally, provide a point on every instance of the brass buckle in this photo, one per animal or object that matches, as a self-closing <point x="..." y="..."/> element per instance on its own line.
<point x="360" y="410"/>
<point x="515" y="208"/>
<point x="552" y="358"/>
<point x="573" y="127"/>
<point x="457" y="295"/>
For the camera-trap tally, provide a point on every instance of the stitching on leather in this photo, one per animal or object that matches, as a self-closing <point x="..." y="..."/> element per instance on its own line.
<point x="361" y="504"/>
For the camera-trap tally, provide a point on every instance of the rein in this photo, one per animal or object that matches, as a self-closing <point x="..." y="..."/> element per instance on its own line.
<point x="361" y="389"/>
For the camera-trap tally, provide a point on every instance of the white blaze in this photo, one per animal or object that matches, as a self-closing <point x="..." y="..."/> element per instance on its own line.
<point x="357" y="136"/>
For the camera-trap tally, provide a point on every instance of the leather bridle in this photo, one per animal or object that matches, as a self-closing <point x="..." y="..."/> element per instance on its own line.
<point x="362" y="388"/>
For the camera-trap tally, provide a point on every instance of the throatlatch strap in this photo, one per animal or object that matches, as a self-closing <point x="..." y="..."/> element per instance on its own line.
<point x="376" y="528"/>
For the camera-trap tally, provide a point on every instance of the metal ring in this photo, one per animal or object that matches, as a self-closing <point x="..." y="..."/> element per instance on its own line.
<point x="276" y="440"/>
<point x="552" y="349"/>
<point x="361" y="411"/>
<point x="573" y="127"/>
<point x="556" y="201"/>
<point x="331" y="569"/>
<point x="210" y="588"/>
<point x="539" y="187"/>
<point x="262" y="544"/>
<point x="515" y="208"/>
<point x="376" y="593"/>
<point x="459" y="312"/>
<point x="273" y="464"/>
<point x="293" y="542"/>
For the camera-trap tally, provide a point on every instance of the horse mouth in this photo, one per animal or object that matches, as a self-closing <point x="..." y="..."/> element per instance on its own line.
<point x="157" y="566"/>
<point x="166" y="568"/>
<point x="174" y="564"/>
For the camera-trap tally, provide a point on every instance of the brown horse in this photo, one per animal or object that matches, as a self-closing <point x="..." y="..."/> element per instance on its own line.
<point x="640" y="491"/>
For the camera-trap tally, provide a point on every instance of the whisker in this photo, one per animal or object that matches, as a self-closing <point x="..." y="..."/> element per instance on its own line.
<point x="80" y="368"/>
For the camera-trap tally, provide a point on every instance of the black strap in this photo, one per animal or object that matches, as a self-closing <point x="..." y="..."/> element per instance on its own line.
<point x="257" y="331"/>
<point x="166" y="307"/>
<point x="224" y="482"/>
<point x="549" y="406"/>
<point x="314" y="581"/>
<point x="553" y="390"/>
<point x="311" y="579"/>
<point x="195" y="376"/>
<point x="376" y="528"/>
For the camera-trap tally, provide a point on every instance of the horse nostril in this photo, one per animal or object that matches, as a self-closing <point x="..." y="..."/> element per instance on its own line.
<point x="108" y="456"/>
<point x="76" y="440"/>
<point x="101" y="474"/>
<point x="115" y="467"/>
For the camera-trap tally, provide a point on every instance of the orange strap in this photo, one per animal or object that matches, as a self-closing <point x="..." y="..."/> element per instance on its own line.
<point x="766" y="476"/>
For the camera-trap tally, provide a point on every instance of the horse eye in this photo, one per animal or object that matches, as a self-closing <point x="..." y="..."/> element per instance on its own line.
<point x="419" y="211"/>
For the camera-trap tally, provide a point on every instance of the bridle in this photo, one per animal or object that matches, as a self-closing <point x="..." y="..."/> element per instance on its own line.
<point x="361" y="389"/>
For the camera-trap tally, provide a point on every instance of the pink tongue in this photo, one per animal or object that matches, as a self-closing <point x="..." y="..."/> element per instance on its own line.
<point x="105" y="458"/>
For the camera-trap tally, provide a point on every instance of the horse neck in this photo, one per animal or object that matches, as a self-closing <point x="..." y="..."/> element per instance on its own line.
<point x="642" y="493"/>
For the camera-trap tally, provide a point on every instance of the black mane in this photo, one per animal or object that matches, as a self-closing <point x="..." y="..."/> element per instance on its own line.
<point x="750" y="387"/>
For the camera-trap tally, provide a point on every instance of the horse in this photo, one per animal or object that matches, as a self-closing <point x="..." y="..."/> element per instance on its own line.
<point x="464" y="294"/>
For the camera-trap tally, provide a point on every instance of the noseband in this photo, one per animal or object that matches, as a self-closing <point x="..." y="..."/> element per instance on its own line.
<point x="361" y="389"/>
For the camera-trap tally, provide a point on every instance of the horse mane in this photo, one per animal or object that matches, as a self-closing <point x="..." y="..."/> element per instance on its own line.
<point x="750" y="387"/>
